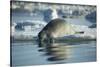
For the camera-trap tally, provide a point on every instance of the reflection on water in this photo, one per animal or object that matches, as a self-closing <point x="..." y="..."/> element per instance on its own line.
<point x="66" y="51"/>
<point x="28" y="53"/>
<point x="57" y="52"/>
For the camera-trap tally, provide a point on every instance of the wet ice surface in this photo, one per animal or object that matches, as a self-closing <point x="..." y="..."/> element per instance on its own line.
<point x="27" y="53"/>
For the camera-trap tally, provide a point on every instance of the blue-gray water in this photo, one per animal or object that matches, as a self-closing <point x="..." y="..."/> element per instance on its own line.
<point x="27" y="53"/>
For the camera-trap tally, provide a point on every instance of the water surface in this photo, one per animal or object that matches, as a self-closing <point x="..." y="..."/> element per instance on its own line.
<point x="27" y="53"/>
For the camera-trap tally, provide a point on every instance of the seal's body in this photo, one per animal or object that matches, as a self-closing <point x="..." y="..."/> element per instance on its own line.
<point x="55" y="28"/>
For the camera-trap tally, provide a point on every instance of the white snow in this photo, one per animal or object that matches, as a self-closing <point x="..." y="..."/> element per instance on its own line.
<point x="30" y="31"/>
<point x="54" y="13"/>
<point x="88" y="32"/>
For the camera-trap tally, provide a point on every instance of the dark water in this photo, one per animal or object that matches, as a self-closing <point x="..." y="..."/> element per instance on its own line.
<point x="28" y="53"/>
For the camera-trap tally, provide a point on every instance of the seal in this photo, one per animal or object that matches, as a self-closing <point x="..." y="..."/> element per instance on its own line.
<point x="55" y="28"/>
